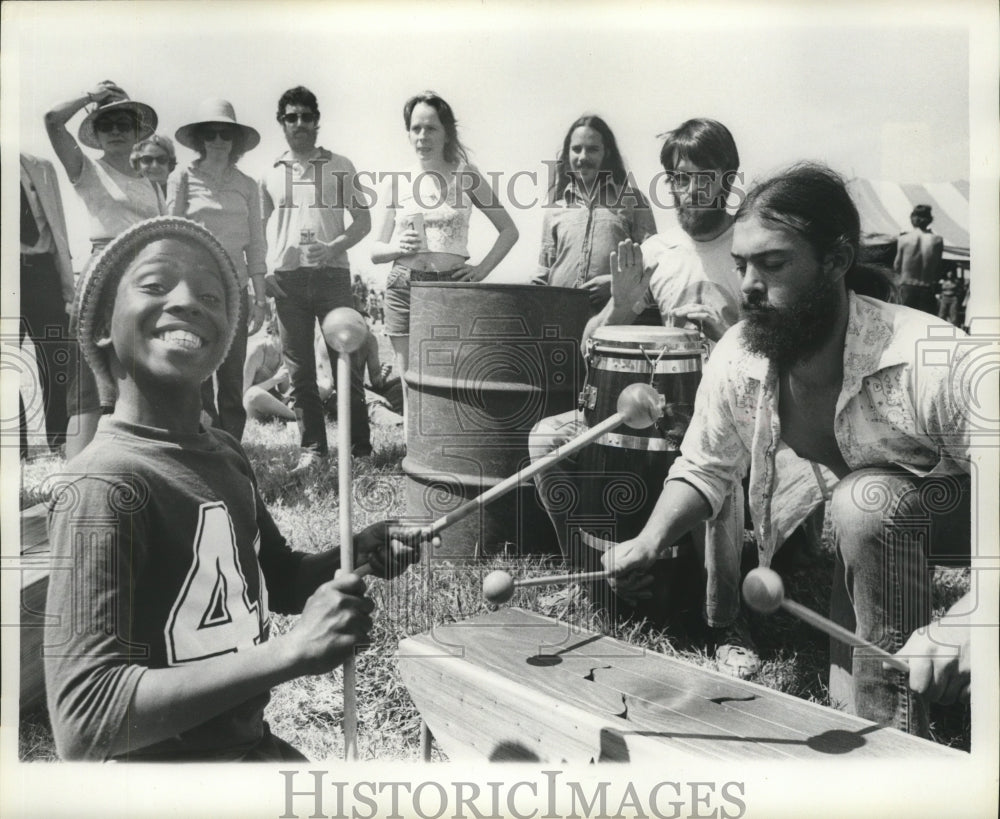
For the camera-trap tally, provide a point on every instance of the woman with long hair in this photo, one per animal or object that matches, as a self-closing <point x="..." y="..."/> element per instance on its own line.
<point x="424" y="227"/>
<point x="215" y="193"/>
<point x="591" y="208"/>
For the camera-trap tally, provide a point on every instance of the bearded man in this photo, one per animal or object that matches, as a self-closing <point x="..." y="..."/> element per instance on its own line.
<point x="822" y="393"/>
<point x="682" y="276"/>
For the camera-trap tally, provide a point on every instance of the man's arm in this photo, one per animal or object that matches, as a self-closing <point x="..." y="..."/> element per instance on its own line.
<point x="939" y="656"/>
<point x="678" y="510"/>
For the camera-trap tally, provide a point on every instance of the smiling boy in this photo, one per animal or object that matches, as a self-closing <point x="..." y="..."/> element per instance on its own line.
<point x="158" y="643"/>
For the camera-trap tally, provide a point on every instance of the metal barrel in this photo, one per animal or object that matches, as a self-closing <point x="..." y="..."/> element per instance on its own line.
<point x="487" y="362"/>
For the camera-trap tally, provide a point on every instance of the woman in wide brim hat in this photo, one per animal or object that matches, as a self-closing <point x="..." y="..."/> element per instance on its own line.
<point x="116" y="195"/>
<point x="212" y="191"/>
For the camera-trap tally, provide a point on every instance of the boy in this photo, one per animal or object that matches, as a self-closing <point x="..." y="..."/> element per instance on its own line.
<point x="157" y="647"/>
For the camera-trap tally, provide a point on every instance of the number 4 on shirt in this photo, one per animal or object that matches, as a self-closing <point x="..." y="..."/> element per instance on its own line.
<point x="213" y="614"/>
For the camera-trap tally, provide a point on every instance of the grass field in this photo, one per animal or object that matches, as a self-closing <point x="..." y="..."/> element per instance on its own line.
<point x="307" y="712"/>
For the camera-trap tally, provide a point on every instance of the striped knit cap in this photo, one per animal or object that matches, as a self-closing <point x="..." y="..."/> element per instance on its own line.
<point x="96" y="295"/>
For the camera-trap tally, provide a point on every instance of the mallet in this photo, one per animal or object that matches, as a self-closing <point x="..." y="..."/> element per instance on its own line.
<point x="346" y="330"/>
<point x="639" y="406"/>
<point x="765" y="593"/>
<point x="498" y="586"/>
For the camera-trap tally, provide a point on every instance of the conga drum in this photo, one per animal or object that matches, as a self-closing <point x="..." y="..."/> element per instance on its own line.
<point x="622" y="473"/>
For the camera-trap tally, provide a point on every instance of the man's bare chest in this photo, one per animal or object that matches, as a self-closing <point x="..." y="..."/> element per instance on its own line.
<point x="807" y="415"/>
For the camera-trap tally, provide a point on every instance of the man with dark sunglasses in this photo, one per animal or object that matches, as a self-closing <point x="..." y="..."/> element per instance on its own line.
<point x="304" y="198"/>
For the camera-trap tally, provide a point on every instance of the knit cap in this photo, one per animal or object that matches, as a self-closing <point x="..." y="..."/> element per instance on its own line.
<point x="94" y="297"/>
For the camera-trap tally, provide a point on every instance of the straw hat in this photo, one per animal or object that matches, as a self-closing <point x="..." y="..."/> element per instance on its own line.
<point x="215" y="111"/>
<point x="89" y="311"/>
<point x="145" y="115"/>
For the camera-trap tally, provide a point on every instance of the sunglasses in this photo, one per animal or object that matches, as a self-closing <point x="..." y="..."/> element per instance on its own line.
<point x="291" y="119"/>
<point x="106" y="126"/>
<point x="208" y="134"/>
<point x="149" y="160"/>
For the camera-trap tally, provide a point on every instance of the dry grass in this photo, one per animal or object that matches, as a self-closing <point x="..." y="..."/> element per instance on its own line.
<point x="307" y="712"/>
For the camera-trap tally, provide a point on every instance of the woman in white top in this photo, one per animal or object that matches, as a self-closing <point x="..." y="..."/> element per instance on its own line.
<point x="424" y="225"/>
<point x="117" y="196"/>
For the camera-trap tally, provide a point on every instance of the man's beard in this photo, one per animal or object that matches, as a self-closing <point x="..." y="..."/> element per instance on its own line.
<point x="787" y="335"/>
<point x="700" y="221"/>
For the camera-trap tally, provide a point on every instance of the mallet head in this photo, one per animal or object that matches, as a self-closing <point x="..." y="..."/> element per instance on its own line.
<point x="641" y="405"/>
<point x="763" y="590"/>
<point x="498" y="587"/>
<point x="344" y="329"/>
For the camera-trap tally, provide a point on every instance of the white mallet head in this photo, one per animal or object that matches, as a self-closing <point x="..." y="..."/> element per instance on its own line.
<point x="763" y="590"/>
<point x="641" y="405"/>
<point x="344" y="329"/>
<point x="498" y="587"/>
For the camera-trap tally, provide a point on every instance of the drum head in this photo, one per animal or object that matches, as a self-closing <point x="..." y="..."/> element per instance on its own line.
<point x="641" y="337"/>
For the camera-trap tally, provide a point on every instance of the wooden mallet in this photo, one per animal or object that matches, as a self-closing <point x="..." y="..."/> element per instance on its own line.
<point x="764" y="592"/>
<point x="639" y="406"/>
<point x="346" y="330"/>
<point x="498" y="586"/>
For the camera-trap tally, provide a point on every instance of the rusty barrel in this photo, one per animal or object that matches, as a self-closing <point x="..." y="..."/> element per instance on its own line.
<point x="487" y="362"/>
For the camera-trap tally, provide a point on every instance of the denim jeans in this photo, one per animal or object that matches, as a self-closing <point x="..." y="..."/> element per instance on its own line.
<point x="222" y="396"/>
<point x="311" y="293"/>
<point x="889" y="527"/>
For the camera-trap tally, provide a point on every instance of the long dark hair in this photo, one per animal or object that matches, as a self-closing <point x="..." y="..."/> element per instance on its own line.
<point x="812" y="200"/>
<point x="454" y="150"/>
<point x="613" y="163"/>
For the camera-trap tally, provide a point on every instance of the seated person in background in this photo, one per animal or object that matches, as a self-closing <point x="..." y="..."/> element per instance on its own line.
<point x="164" y="627"/>
<point x="265" y="377"/>
<point x="822" y="393"/>
<point x="383" y="394"/>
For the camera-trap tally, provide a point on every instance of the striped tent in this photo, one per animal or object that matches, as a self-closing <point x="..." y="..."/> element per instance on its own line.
<point x="885" y="209"/>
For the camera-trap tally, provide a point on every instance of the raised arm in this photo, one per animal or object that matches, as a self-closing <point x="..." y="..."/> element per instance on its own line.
<point x="63" y="142"/>
<point x="629" y="283"/>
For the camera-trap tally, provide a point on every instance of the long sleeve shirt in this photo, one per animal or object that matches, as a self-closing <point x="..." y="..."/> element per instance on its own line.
<point x="579" y="234"/>
<point x="904" y="402"/>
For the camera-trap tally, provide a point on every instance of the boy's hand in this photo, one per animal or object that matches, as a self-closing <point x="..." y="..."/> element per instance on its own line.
<point x="335" y="620"/>
<point x="388" y="547"/>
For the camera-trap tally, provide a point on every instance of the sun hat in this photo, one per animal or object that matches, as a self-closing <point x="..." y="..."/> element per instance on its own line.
<point x="145" y="115"/>
<point x="89" y="310"/>
<point x="215" y="111"/>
